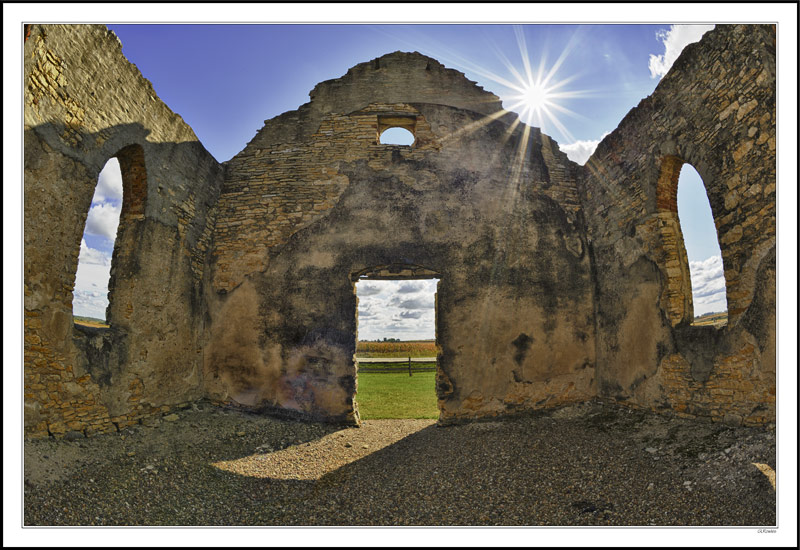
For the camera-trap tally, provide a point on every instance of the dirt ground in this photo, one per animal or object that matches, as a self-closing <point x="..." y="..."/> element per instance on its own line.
<point x="588" y="464"/>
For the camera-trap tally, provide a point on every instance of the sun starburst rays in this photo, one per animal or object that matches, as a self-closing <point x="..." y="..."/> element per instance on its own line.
<point x="537" y="104"/>
<point x="537" y="95"/>
<point x="534" y="89"/>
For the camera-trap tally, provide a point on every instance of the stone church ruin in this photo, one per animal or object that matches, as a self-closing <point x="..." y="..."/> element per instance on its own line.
<point x="559" y="283"/>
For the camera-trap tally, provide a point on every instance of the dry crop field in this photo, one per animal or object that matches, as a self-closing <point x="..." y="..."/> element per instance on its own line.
<point x="410" y="348"/>
<point x="90" y="321"/>
<point x="714" y="319"/>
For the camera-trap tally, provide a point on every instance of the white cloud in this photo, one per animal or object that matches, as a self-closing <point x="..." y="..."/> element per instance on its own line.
<point x="385" y="309"/>
<point x="109" y="183"/>
<point x="414" y="303"/>
<point x="581" y="150"/>
<point x="90" y="297"/>
<point x="674" y="40"/>
<point x="92" y="255"/>
<point x="92" y="277"/>
<point x="366" y="289"/>
<point x="410" y="315"/>
<point x="708" y="285"/>
<point x="396" y="327"/>
<point x="89" y="304"/>
<point x="103" y="220"/>
<point x="410" y="287"/>
<point x="365" y="308"/>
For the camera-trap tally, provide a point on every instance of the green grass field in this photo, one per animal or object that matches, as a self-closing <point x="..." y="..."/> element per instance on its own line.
<point x="390" y="395"/>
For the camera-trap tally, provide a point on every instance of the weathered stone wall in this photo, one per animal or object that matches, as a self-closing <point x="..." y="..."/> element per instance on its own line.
<point x="558" y="283"/>
<point x="487" y="204"/>
<point x="85" y="103"/>
<point x="715" y="109"/>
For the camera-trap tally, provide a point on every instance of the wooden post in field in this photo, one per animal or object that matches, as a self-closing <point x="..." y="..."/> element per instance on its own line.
<point x="409" y="366"/>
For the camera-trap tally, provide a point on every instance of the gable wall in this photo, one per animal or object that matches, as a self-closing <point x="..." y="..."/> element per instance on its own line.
<point x="558" y="283"/>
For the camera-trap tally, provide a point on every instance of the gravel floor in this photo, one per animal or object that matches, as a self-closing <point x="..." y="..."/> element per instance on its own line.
<point x="589" y="464"/>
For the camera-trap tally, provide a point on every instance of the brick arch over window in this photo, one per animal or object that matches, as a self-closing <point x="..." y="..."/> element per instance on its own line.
<point x="677" y="296"/>
<point x="134" y="181"/>
<point x="126" y="246"/>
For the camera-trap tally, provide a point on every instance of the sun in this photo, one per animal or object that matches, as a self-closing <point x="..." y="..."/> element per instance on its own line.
<point x="538" y="95"/>
<point x="535" y="98"/>
<point x="537" y="101"/>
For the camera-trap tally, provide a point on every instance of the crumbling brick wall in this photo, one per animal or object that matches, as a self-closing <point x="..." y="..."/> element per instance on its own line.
<point x="85" y="103"/>
<point x="715" y="109"/>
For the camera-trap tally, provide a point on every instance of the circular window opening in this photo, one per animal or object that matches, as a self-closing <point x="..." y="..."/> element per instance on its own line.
<point x="397" y="136"/>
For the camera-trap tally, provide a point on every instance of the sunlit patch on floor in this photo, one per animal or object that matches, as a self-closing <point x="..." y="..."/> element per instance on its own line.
<point x="767" y="471"/>
<point x="311" y="461"/>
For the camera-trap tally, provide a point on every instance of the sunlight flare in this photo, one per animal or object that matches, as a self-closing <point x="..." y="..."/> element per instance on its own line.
<point x="537" y="94"/>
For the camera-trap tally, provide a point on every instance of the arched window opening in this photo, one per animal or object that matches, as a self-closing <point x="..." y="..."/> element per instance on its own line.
<point x="108" y="240"/>
<point x="695" y="289"/>
<point x="707" y="277"/>
<point x="396" y="348"/>
<point x="90" y="297"/>
<point x="397" y="136"/>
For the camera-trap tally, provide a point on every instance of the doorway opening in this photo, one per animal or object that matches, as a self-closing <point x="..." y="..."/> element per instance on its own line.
<point x="396" y="347"/>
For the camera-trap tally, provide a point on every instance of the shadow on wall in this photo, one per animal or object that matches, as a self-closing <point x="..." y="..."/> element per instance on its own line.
<point x="150" y="352"/>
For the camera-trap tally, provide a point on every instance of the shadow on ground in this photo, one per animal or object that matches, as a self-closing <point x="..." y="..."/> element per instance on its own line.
<point x="585" y="465"/>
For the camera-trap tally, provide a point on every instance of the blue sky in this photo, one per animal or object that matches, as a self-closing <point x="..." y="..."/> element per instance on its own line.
<point x="226" y="80"/>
